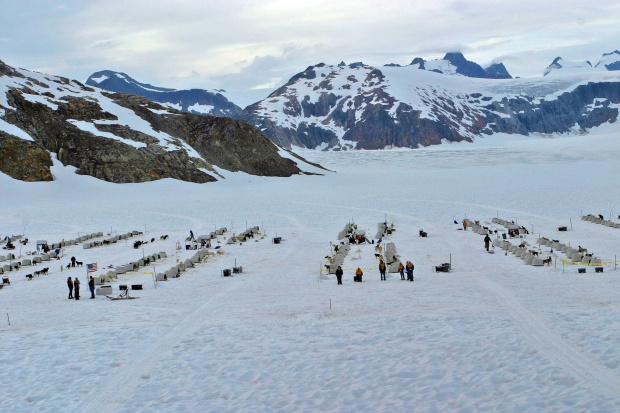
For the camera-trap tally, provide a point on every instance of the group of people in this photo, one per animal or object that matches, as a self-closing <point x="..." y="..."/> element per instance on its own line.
<point x="74" y="287"/>
<point x="407" y="267"/>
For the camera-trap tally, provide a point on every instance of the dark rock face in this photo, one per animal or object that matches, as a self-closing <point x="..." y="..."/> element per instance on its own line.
<point x="230" y="144"/>
<point x="464" y="66"/>
<point x="497" y="71"/>
<point x="559" y="115"/>
<point x="614" y="65"/>
<point x="165" y="143"/>
<point x="418" y="61"/>
<point x="24" y="160"/>
<point x="185" y="99"/>
<point x="467" y="68"/>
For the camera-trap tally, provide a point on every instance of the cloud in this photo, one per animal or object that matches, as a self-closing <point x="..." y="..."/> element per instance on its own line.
<point x="242" y="45"/>
<point x="107" y="44"/>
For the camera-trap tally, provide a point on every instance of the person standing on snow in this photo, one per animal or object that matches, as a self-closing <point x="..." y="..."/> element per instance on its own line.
<point x="382" y="270"/>
<point x="76" y="288"/>
<point x="487" y="241"/>
<point x="401" y="270"/>
<point x="339" y="273"/>
<point x="70" y="285"/>
<point x="464" y="225"/>
<point x="91" y="287"/>
<point x="409" y="269"/>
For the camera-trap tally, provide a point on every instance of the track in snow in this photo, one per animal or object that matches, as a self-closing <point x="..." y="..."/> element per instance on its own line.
<point x="575" y="362"/>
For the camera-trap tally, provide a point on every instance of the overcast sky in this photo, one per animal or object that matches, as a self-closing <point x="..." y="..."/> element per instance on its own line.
<point x="250" y="47"/>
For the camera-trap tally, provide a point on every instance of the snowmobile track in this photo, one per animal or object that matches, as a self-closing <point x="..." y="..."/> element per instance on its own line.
<point x="574" y="361"/>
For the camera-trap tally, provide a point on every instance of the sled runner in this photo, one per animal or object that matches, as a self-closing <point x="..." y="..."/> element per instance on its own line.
<point x="124" y="295"/>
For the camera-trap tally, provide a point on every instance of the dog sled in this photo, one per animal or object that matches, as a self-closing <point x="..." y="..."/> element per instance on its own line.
<point x="124" y="295"/>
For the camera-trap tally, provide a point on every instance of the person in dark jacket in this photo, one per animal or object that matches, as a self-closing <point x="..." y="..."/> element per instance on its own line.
<point x="91" y="287"/>
<point x="70" y="285"/>
<point x="382" y="270"/>
<point x="409" y="268"/>
<point x="487" y="241"/>
<point x="72" y="261"/>
<point x="76" y="288"/>
<point x="339" y="273"/>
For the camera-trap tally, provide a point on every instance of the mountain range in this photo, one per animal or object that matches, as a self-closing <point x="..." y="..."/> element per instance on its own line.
<point x="609" y="62"/>
<point x="365" y="107"/>
<point x="359" y="106"/>
<point x="197" y="101"/>
<point x="124" y="135"/>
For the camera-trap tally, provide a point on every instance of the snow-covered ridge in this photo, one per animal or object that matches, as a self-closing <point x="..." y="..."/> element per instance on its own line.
<point x="212" y="102"/>
<point x="608" y="62"/>
<point x="122" y="137"/>
<point x="363" y="107"/>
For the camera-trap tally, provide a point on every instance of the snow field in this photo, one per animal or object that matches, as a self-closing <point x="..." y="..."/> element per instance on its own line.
<point x="492" y="335"/>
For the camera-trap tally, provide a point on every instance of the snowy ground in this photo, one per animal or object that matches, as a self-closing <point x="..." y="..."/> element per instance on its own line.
<point x="492" y="335"/>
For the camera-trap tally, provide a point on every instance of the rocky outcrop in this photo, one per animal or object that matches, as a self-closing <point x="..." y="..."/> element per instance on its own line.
<point x="230" y="144"/>
<point x="24" y="160"/>
<point x="132" y="140"/>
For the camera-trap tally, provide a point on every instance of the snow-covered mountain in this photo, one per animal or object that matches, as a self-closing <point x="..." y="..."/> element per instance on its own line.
<point x="365" y="107"/>
<point x="609" y="61"/>
<point x="455" y="64"/>
<point x="120" y="137"/>
<point x="197" y="101"/>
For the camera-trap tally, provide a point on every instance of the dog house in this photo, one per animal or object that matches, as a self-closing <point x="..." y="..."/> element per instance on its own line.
<point x="577" y="256"/>
<point x="393" y="267"/>
<point x="188" y="263"/>
<point x="529" y="259"/>
<point x="537" y="262"/>
<point x="104" y="290"/>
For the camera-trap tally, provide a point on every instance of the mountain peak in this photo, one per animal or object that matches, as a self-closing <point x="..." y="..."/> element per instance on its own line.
<point x="197" y="101"/>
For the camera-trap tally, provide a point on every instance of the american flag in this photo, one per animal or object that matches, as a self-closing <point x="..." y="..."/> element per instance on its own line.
<point x="91" y="267"/>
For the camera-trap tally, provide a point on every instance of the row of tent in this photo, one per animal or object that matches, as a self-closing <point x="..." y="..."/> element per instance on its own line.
<point x="523" y="253"/>
<point x="110" y="240"/>
<point x="74" y="241"/>
<point x="572" y="254"/>
<point x="214" y="234"/>
<point x="598" y="220"/>
<point x="16" y="264"/>
<point x="338" y="258"/>
<point x="125" y="268"/>
<point x="175" y="271"/>
<point x="242" y="237"/>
